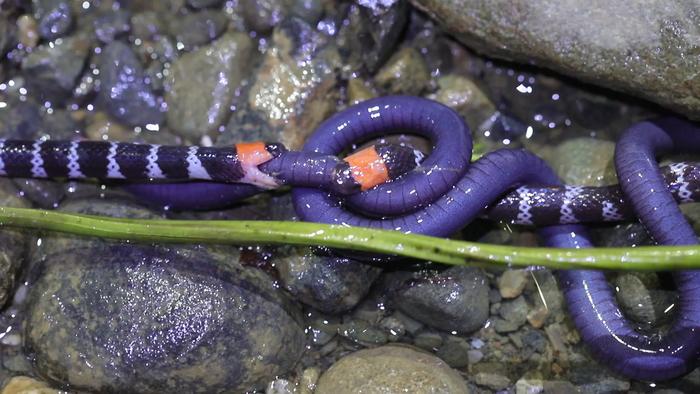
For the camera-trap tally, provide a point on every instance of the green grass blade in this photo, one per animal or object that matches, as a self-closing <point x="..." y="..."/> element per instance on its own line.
<point x="353" y="238"/>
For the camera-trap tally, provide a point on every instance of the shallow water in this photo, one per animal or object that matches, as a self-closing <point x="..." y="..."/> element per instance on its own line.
<point x="91" y="315"/>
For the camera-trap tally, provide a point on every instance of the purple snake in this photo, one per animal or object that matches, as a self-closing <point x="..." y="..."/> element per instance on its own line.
<point x="437" y="196"/>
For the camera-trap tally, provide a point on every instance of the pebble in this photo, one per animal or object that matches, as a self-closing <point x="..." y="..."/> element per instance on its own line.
<point x="512" y="282"/>
<point x="27" y="385"/>
<point x="464" y="96"/>
<point x="124" y="92"/>
<point x="492" y="380"/>
<point x="198" y="28"/>
<point x="55" y="17"/>
<point x="641" y="304"/>
<point x="428" y="340"/>
<point x="362" y="332"/>
<point x="454" y="351"/>
<point x="201" y="84"/>
<point x="327" y="283"/>
<point x="585" y="161"/>
<point x="404" y="73"/>
<point x="111" y="25"/>
<point x="28" y="31"/>
<point x="53" y="69"/>
<point x="453" y="300"/>
<point x="14" y="243"/>
<point x="390" y="369"/>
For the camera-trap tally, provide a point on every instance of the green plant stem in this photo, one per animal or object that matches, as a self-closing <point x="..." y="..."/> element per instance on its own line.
<point x="354" y="238"/>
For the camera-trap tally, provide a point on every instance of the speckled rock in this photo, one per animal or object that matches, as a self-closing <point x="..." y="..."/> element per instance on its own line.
<point x="13" y="243"/>
<point x="55" y="17"/>
<point x="453" y="300"/>
<point x="585" y="161"/>
<point x="198" y="28"/>
<point x="124" y="92"/>
<point x="295" y="88"/>
<point x="390" y="369"/>
<point x="201" y="85"/>
<point x="404" y="73"/>
<point x="53" y="69"/>
<point x="642" y="48"/>
<point x="369" y="34"/>
<point x="327" y="283"/>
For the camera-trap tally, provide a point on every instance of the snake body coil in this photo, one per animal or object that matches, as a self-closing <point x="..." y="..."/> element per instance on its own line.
<point x="389" y="187"/>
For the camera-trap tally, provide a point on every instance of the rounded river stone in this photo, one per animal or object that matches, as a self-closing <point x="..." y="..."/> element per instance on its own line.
<point x="143" y="319"/>
<point x="390" y="369"/>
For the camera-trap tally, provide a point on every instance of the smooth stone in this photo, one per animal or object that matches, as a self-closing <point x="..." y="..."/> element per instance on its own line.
<point x="146" y="25"/>
<point x="454" y="351"/>
<point x="115" y="23"/>
<point x="368" y="35"/>
<point x="53" y="69"/>
<point x="585" y="161"/>
<point x="359" y="91"/>
<point x="263" y="15"/>
<point x="492" y="380"/>
<point x="362" y="332"/>
<point x="327" y="283"/>
<point x="390" y="369"/>
<point x="404" y="73"/>
<point x="203" y="3"/>
<point x="28" y="31"/>
<point x="55" y="17"/>
<point x="201" y="84"/>
<point x="643" y="48"/>
<point x="453" y="300"/>
<point x="124" y="92"/>
<point x="640" y="303"/>
<point x="146" y="319"/>
<point x="198" y="28"/>
<point x="514" y="311"/>
<point x="14" y="243"/>
<point x="27" y="385"/>
<point x="295" y="88"/>
<point x="464" y="96"/>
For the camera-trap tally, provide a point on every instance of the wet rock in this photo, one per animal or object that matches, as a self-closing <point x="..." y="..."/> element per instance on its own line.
<point x="295" y="87"/>
<point x="453" y="300"/>
<point x="362" y="332"/>
<point x="27" y="385"/>
<point x="640" y="303"/>
<point x="124" y="92"/>
<point x="327" y="283"/>
<point x="145" y="25"/>
<point x="455" y="351"/>
<point x="514" y="311"/>
<point x="585" y="161"/>
<point x="263" y="15"/>
<point x="55" y="17"/>
<point x="14" y="243"/>
<point x="7" y="34"/>
<point x="368" y="35"/>
<point x="623" y="235"/>
<point x="201" y="84"/>
<point x="28" y="31"/>
<point x="492" y="380"/>
<point x="465" y="97"/>
<point x="25" y="120"/>
<point x="53" y="69"/>
<point x="358" y="91"/>
<point x="390" y="369"/>
<point x="512" y="282"/>
<point x="203" y="3"/>
<point x="111" y="25"/>
<point x="146" y="319"/>
<point x="404" y="73"/>
<point x="198" y="28"/>
<point x="641" y="49"/>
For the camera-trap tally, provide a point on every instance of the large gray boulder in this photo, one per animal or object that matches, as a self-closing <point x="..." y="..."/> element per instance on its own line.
<point x="647" y="48"/>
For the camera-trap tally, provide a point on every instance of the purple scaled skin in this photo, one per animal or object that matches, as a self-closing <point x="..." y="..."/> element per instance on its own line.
<point x="592" y="302"/>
